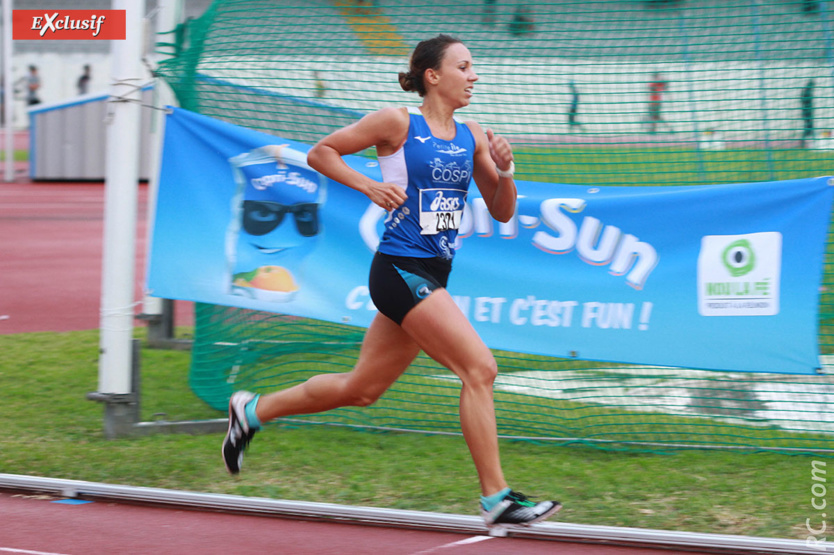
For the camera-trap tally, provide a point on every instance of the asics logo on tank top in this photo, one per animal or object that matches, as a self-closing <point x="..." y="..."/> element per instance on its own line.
<point x="443" y="203"/>
<point x="451" y="173"/>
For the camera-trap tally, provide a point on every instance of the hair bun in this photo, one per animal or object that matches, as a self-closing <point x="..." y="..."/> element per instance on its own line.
<point x="407" y="81"/>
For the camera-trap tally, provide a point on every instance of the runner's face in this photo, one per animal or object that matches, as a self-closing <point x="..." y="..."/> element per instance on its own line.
<point x="457" y="78"/>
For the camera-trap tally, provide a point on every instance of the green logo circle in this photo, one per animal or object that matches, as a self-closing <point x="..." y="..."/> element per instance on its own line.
<point x="739" y="258"/>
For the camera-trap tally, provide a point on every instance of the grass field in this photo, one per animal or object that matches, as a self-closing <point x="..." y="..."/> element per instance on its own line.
<point x="669" y="165"/>
<point x="18" y="156"/>
<point x="44" y="378"/>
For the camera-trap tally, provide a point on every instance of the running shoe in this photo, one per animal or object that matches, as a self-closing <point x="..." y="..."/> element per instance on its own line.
<point x="239" y="434"/>
<point x="516" y="509"/>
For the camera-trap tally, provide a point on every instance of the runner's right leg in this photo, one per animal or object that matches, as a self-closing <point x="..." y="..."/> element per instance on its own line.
<point x="386" y="353"/>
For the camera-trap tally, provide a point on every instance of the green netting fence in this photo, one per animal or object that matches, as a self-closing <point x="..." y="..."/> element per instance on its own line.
<point x="639" y="92"/>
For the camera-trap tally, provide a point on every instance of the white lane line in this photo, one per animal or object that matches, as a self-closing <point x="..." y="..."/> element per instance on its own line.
<point x="467" y="541"/>
<point x="27" y="552"/>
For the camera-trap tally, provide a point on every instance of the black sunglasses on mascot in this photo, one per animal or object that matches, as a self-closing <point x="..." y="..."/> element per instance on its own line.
<point x="259" y="218"/>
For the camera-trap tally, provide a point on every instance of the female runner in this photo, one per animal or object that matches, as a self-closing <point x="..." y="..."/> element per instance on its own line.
<point x="427" y="158"/>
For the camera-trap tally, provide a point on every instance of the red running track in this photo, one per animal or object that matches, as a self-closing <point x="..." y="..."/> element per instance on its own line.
<point x="51" y="257"/>
<point x="43" y="525"/>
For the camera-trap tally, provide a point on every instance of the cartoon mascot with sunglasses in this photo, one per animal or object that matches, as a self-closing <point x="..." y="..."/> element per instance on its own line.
<point x="275" y="221"/>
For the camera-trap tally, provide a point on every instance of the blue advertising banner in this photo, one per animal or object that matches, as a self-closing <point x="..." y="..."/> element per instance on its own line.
<point x="721" y="277"/>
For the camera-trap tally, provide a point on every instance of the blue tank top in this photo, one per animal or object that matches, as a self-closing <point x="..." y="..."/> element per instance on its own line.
<point x="435" y="175"/>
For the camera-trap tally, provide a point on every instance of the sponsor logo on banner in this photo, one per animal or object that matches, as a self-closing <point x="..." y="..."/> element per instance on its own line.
<point x="69" y="24"/>
<point x="292" y="179"/>
<point x="739" y="275"/>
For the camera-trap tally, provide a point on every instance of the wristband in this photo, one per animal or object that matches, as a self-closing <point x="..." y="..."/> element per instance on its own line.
<point x="508" y="173"/>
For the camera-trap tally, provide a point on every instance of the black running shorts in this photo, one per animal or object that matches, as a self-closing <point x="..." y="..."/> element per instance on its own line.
<point x="398" y="283"/>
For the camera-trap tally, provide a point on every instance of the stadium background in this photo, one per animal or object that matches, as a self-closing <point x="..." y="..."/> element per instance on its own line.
<point x="735" y="72"/>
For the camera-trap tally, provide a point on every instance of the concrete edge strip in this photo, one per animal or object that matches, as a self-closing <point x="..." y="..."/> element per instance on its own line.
<point x="401" y="518"/>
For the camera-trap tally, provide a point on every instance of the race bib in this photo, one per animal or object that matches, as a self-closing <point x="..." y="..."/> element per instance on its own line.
<point x="440" y="210"/>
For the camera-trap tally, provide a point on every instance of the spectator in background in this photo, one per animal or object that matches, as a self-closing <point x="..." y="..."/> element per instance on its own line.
<point x="810" y="6"/>
<point x="488" y="16"/>
<point x="574" y="107"/>
<point x="806" y="103"/>
<point x="657" y="87"/>
<point x="83" y="83"/>
<point x="319" y="85"/>
<point x="33" y="83"/>
<point x="523" y="22"/>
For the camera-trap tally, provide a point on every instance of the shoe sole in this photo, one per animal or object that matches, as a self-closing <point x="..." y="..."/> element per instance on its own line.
<point x="226" y="439"/>
<point x="223" y="445"/>
<point x="500" y="529"/>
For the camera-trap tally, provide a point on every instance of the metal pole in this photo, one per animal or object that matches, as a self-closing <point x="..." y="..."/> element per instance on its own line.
<point x="8" y="91"/>
<point x="120" y="199"/>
